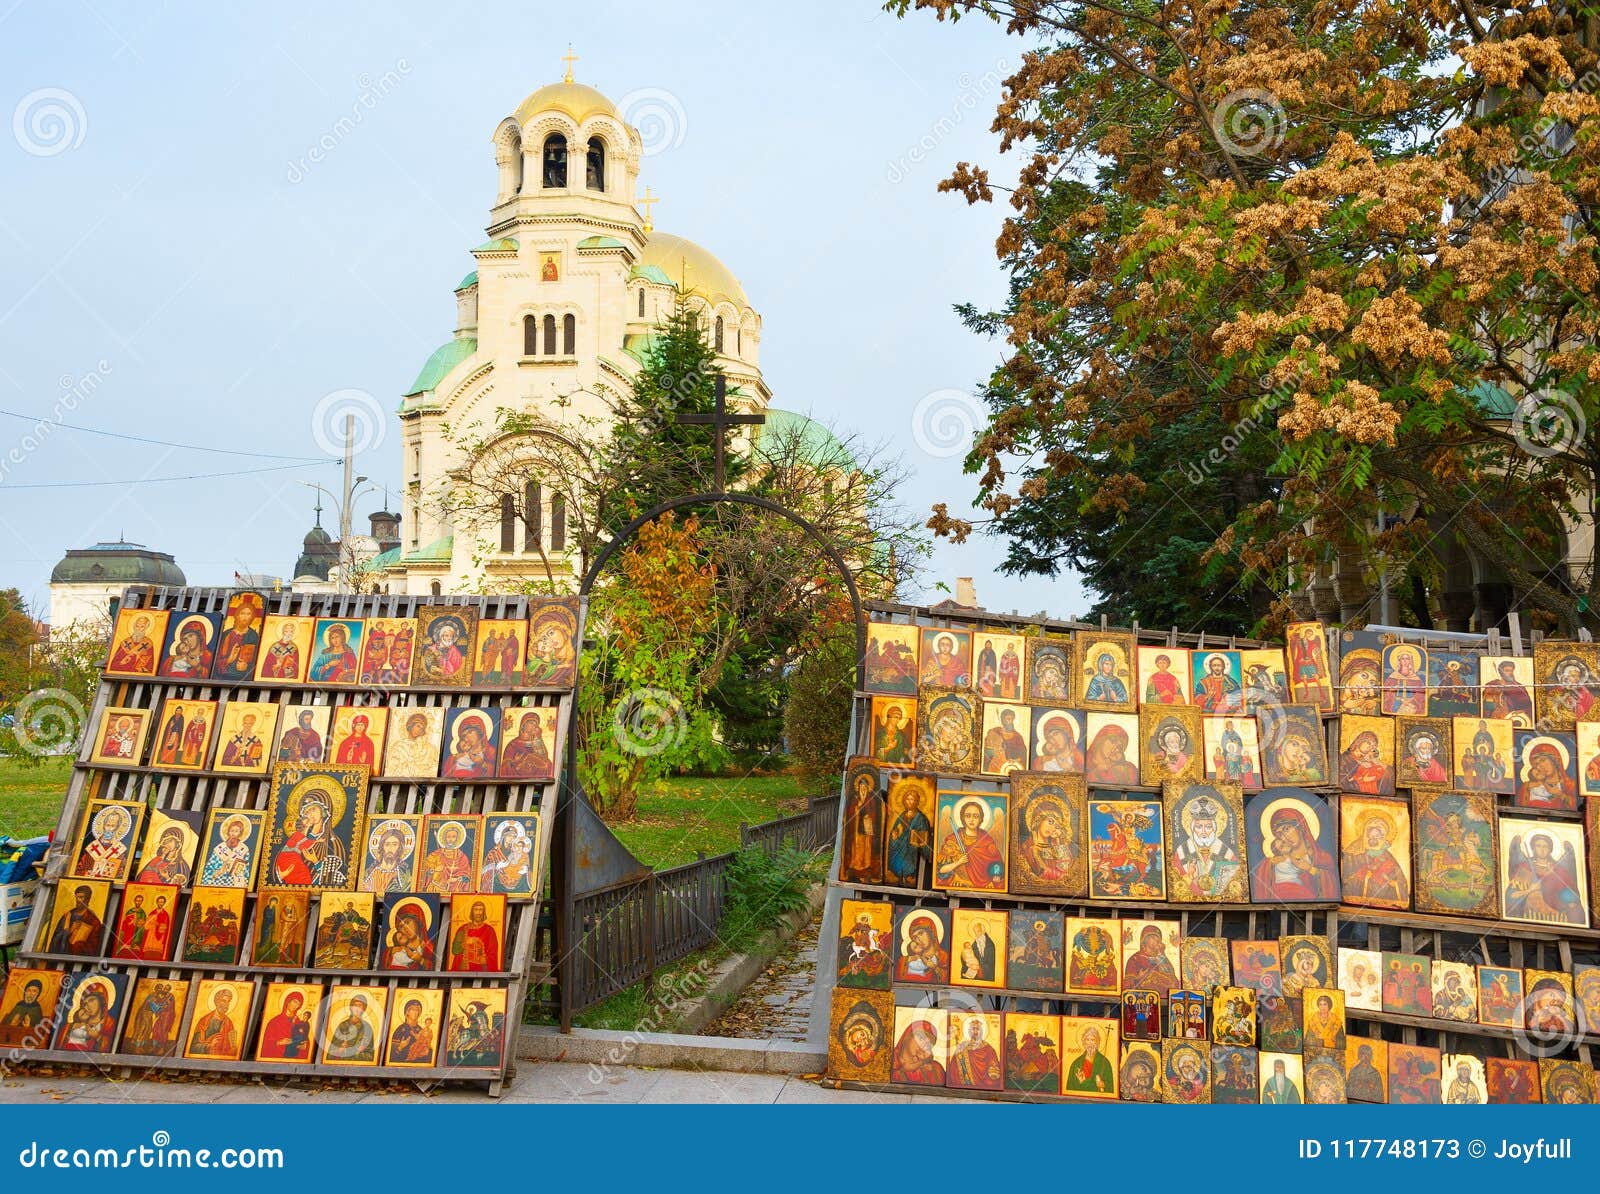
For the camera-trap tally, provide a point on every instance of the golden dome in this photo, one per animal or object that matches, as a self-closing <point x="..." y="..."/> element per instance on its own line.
<point x="575" y="99"/>
<point x="694" y="269"/>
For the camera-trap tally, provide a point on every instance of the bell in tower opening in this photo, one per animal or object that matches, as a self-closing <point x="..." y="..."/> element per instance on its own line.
<point x="555" y="161"/>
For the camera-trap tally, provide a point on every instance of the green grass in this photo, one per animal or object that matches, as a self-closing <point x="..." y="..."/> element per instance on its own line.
<point x="681" y="816"/>
<point x="31" y="796"/>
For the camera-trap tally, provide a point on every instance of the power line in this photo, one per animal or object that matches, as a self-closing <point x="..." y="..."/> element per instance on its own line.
<point x="276" y="468"/>
<point x="162" y="443"/>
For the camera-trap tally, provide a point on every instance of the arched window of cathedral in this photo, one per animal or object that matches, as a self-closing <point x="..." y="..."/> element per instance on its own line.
<point x="532" y="516"/>
<point x="435" y="589"/>
<point x="555" y="161"/>
<point x="558" y="522"/>
<point x="718" y="343"/>
<point x="569" y="335"/>
<point x="549" y="335"/>
<point x="595" y="172"/>
<point x="530" y="335"/>
<point x="508" y="522"/>
<point x="641" y="302"/>
<point x="738" y="341"/>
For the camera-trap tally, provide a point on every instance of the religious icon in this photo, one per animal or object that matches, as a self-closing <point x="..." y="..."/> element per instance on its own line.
<point x="1034" y="950"/>
<point x="1408" y="984"/>
<point x="1233" y="1079"/>
<point x="1546" y="771"/>
<point x="1413" y="1075"/>
<point x="861" y="847"/>
<point x="1541" y="876"/>
<point x="136" y="642"/>
<point x="1265" y="679"/>
<point x="1279" y="1018"/>
<point x="1360" y="678"/>
<point x="1058" y="740"/>
<point x="451" y="846"/>
<point x="477" y="933"/>
<point x="552" y="643"/>
<point x="1089" y="1053"/>
<point x="977" y="948"/>
<point x="336" y="651"/>
<point x="240" y="642"/>
<point x="1232" y="751"/>
<point x="414" y="1027"/>
<point x="289" y="1022"/>
<point x="1111" y="736"/>
<point x="1310" y="678"/>
<point x="1126" y="854"/>
<point x="946" y="658"/>
<point x="217" y="1026"/>
<point x="1049" y="670"/>
<point x="314" y="819"/>
<point x="287" y="653"/>
<point x="1105" y="672"/>
<point x="1186" y="1015"/>
<point x="892" y="733"/>
<point x="282" y="920"/>
<point x="244" y="730"/>
<point x="910" y="813"/>
<point x="1233" y="1015"/>
<point x="190" y="647"/>
<point x="1456" y="853"/>
<point x="1591" y="820"/>
<point x="1185" y="1072"/>
<point x="471" y="743"/>
<point x="1094" y="957"/>
<point x="1307" y="961"/>
<point x="303" y="734"/>
<point x="146" y="926"/>
<point x="1282" y="1078"/>
<point x="997" y="672"/>
<point x="214" y="925"/>
<point x="920" y="1045"/>
<point x="1425" y="752"/>
<point x="1511" y="1081"/>
<point x="530" y="743"/>
<point x="1289" y="839"/>
<point x="475" y="1032"/>
<point x="120" y="739"/>
<point x="1507" y="689"/>
<point x="1293" y="749"/>
<point x="1453" y="684"/>
<point x="1005" y="738"/>
<point x="410" y="938"/>
<point x="1048" y="855"/>
<point x="922" y="945"/>
<point x="1324" y="1075"/>
<point x="1150" y="955"/>
<point x="1565" y="1082"/>
<point x="1375" y="862"/>
<point x="549" y="267"/>
<point x="510" y="864"/>
<point x="1217" y="681"/>
<point x="1256" y="965"/>
<point x="1366" y="755"/>
<point x="344" y="931"/>
<point x="1366" y="1062"/>
<point x="28" y="1007"/>
<point x="1586" y="993"/>
<point x="1500" y="997"/>
<point x="389" y="856"/>
<point x="1323" y="1009"/>
<point x="1163" y="676"/>
<point x="1033" y="1052"/>
<point x="858" y="1036"/>
<point x="1405" y="680"/>
<point x="974" y="1057"/>
<point x="1455" y="991"/>
<point x="1361" y="978"/>
<point x="865" y="937"/>
<point x="105" y="848"/>
<point x="948" y="725"/>
<point x="1139" y="1076"/>
<point x="231" y="848"/>
<point x="969" y="851"/>
<point x="1549" y="1012"/>
<point x="387" y="648"/>
<point x="892" y="659"/>
<point x="415" y="741"/>
<point x="1484" y="754"/>
<point x="1204" y="964"/>
<point x="444" y="645"/>
<point x="356" y="739"/>
<point x="171" y="840"/>
<point x="350" y="1035"/>
<point x="1141" y="1016"/>
<point x="1567" y="685"/>
<point x="155" y="1011"/>
<point x="1206" y="855"/>
<point x="1171" y="742"/>
<point x="183" y="734"/>
<point x="88" y="1010"/>
<point x="77" y="919"/>
<point x="1588" y="766"/>
<point x="497" y="656"/>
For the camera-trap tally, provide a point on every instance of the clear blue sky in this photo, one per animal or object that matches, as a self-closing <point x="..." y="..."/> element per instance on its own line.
<point x="177" y="267"/>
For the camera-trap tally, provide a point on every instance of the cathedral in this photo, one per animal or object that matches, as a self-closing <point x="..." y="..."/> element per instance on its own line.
<point x="554" y="321"/>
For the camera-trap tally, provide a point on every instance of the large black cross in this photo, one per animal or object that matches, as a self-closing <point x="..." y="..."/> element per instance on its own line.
<point x="720" y="419"/>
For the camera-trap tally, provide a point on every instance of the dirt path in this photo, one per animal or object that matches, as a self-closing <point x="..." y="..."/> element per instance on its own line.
<point x="777" y="1005"/>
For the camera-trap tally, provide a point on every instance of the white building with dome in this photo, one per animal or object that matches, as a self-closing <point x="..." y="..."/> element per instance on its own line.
<point x="555" y="321"/>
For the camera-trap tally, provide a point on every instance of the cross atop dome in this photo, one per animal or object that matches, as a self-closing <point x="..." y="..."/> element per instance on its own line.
<point x="569" y="58"/>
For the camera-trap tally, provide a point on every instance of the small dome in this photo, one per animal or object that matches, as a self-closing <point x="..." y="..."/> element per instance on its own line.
<point x="575" y="99"/>
<point x="445" y="358"/>
<point x="117" y="563"/>
<point x="693" y="269"/>
<point x="316" y="536"/>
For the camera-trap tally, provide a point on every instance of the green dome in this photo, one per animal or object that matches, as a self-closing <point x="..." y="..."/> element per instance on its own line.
<point x="117" y="563"/>
<point x="501" y="244"/>
<point x="601" y="242"/>
<point x="445" y="358"/>
<point x="470" y="280"/>
<point x="819" y="445"/>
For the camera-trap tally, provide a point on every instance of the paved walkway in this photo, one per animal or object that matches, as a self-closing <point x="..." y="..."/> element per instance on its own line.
<point x="777" y="1005"/>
